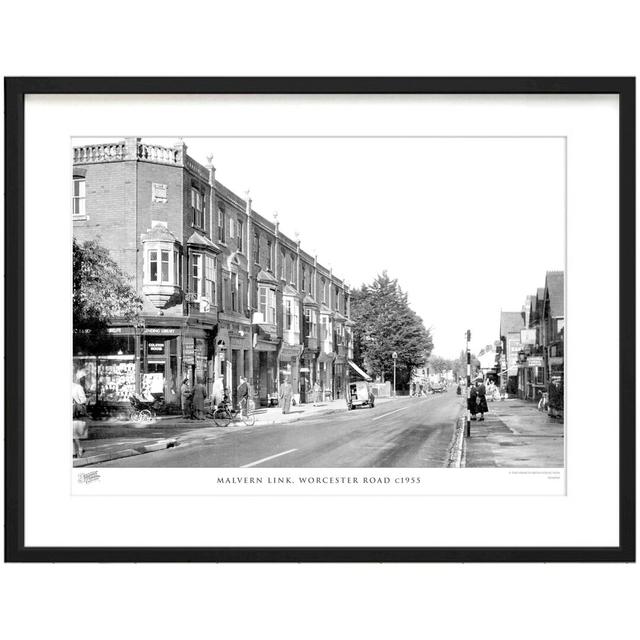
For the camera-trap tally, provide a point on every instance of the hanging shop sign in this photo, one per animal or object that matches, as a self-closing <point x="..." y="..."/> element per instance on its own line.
<point x="535" y="361"/>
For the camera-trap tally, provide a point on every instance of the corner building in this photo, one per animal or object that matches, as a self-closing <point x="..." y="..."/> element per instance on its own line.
<point x="225" y="293"/>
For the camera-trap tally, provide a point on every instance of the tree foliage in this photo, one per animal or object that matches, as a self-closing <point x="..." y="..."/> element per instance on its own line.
<point x="460" y="365"/>
<point x="438" y="364"/>
<point x="384" y="323"/>
<point x="102" y="292"/>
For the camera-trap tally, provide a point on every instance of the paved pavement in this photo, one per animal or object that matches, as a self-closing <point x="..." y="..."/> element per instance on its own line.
<point x="403" y="432"/>
<point x="515" y="434"/>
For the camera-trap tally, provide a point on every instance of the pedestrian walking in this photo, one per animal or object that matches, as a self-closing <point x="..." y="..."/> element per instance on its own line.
<point x="481" y="400"/>
<point x="185" y="399"/>
<point x="197" y="400"/>
<point x="471" y="402"/>
<point x="285" y="396"/>
<point x="243" y="395"/>
<point x="79" y="426"/>
<point x="316" y="393"/>
<point x="217" y="392"/>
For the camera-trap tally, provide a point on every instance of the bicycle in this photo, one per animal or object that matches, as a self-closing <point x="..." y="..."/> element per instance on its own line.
<point x="224" y="415"/>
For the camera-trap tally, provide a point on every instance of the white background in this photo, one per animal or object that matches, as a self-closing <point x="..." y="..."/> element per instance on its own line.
<point x="587" y="516"/>
<point x="489" y="38"/>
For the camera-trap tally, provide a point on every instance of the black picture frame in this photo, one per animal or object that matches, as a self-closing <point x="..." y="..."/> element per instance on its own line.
<point x="15" y="91"/>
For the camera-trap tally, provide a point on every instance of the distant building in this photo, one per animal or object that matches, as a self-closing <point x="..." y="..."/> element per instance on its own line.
<point x="533" y="342"/>
<point x="511" y="324"/>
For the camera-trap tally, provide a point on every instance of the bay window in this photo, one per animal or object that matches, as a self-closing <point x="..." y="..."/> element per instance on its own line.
<point x="196" y="274"/>
<point x="160" y="268"/>
<point x="310" y="323"/>
<point x="267" y="304"/>
<point x="210" y="279"/>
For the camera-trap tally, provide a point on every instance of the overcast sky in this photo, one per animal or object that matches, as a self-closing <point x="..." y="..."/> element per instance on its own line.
<point x="468" y="226"/>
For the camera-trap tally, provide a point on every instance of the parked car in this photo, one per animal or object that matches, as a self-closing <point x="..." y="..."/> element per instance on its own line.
<point x="359" y="394"/>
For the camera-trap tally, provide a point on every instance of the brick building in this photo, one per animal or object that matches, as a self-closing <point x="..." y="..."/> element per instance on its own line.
<point x="225" y="292"/>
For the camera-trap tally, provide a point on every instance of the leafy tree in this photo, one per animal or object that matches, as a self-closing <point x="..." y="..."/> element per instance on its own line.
<point x="460" y="365"/>
<point x="102" y="292"/>
<point x="441" y="365"/>
<point x="384" y="323"/>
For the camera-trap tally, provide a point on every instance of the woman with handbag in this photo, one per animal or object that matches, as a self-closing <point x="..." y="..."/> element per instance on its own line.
<point x="481" y="400"/>
<point x="472" y="402"/>
<point x="79" y="411"/>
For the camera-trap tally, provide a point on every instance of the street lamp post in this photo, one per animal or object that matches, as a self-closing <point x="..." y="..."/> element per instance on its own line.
<point x="394" y="355"/>
<point x="468" y="426"/>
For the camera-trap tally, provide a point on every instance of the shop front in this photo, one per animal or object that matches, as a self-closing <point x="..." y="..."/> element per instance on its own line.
<point x="289" y="367"/>
<point x="308" y="370"/>
<point x="233" y="348"/>
<point x="145" y="360"/>
<point x="325" y="375"/>
<point x="340" y="373"/>
<point x="265" y="369"/>
<point x="106" y="366"/>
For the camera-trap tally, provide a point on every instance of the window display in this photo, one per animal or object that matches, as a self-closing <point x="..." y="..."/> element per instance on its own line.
<point x="116" y="378"/>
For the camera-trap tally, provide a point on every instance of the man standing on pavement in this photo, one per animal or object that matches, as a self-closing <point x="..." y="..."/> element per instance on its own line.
<point x="243" y="395"/>
<point x="197" y="400"/>
<point x="185" y="399"/>
<point x="286" y="391"/>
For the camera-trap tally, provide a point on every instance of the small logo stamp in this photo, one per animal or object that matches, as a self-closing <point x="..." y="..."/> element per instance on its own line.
<point x="88" y="477"/>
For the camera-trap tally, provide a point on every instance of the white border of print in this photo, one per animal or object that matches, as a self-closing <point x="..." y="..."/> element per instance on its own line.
<point x="586" y="516"/>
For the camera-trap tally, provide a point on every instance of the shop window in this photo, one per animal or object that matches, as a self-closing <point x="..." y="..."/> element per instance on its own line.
<point x="79" y="197"/>
<point x="197" y="205"/>
<point x="267" y="304"/>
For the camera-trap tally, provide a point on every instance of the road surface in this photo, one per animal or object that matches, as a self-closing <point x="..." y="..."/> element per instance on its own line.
<point x="407" y="432"/>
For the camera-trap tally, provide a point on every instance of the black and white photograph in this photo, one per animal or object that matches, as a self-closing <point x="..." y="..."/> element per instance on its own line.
<point x="362" y="315"/>
<point x="319" y="302"/>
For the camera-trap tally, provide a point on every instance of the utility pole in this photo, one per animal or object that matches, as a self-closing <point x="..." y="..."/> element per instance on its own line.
<point x="468" y="426"/>
<point x="394" y="355"/>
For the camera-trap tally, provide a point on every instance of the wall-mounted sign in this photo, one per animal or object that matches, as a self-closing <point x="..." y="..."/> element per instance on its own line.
<point x="155" y="348"/>
<point x="164" y="331"/>
<point x="535" y="361"/>
<point x="159" y="192"/>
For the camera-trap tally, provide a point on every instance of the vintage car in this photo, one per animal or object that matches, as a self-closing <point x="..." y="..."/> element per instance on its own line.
<point x="359" y="394"/>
